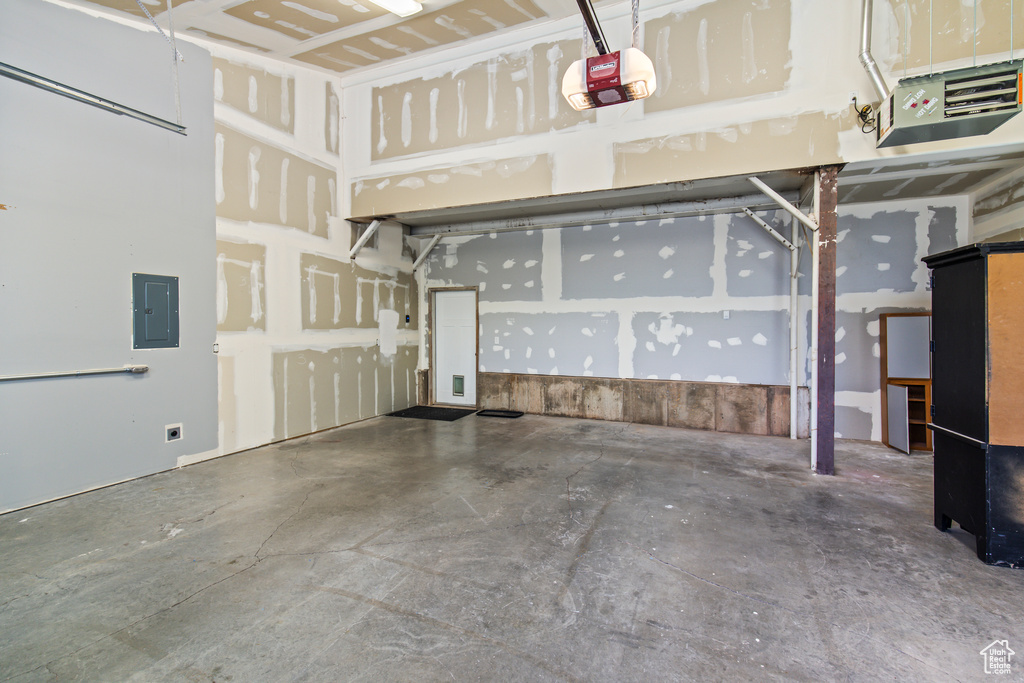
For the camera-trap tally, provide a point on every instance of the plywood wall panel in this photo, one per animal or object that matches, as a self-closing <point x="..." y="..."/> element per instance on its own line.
<point x="1006" y="333"/>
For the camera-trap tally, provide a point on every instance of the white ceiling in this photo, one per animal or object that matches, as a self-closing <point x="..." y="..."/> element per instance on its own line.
<point x="341" y="36"/>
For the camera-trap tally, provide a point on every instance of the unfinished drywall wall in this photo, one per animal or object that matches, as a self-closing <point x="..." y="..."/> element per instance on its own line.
<point x="750" y="147"/>
<point x="879" y="270"/>
<point x="241" y="286"/>
<point x="920" y="32"/>
<point x="338" y="295"/>
<point x="267" y="97"/>
<point x="717" y="51"/>
<point x="744" y="87"/>
<point x="308" y="339"/>
<point x="317" y="389"/>
<point x="702" y="299"/>
<point x="90" y="198"/>
<point x="332" y="119"/>
<point x="489" y="181"/>
<point x="523" y="93"/>
<point x="279" y="187"/>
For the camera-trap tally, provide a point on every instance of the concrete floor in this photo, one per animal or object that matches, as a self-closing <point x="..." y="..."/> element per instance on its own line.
<point x="485" y="549"/>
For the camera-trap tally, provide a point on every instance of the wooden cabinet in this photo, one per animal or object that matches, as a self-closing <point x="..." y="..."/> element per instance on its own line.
<point x="978" y="395"/>
<point x="906" y="380"/>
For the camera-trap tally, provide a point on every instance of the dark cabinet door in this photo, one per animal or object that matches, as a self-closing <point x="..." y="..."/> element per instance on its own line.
<point x="959" y="348"/>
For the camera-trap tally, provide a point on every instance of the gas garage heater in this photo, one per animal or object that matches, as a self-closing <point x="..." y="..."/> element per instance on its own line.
<point x="977" y="402"/>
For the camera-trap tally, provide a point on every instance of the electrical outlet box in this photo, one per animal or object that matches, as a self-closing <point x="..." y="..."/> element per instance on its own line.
<point x="173" y="432"/>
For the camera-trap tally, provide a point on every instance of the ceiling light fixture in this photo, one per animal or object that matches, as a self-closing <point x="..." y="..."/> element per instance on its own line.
<point x="403" y="8"/>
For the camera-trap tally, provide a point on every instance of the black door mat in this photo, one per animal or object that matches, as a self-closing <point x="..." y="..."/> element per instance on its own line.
<point x="500" y="413"/>
<point x="433" y="413"/>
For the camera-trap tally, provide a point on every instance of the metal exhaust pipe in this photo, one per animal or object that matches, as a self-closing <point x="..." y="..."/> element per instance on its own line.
<point x="865" y="51"/>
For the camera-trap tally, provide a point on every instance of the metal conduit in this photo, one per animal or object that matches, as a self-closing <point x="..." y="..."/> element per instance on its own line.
<point x="127" y="369"/>
<point x="16" y="74"/>
<point x="874" y="73"/>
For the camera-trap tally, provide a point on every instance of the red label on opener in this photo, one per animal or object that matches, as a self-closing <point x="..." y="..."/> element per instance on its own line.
<point x="604" y="81"/>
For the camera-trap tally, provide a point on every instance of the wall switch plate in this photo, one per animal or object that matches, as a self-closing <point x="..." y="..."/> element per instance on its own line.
<point x="725" y="315"/>
<point x="173" y="432"/>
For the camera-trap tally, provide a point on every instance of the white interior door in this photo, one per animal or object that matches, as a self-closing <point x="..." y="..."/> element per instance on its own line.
<point x="455" y="347"/>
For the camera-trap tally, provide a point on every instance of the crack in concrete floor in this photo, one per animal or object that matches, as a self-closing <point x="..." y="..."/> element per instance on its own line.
<point x="585" y="563"/>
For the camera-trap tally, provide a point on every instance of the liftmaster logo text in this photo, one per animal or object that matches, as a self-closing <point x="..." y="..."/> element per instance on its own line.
<point x="997" y="657"/>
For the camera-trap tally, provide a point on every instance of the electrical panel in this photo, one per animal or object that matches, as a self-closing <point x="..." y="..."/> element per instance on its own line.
<point x="155" y="311"/>
<point x="953" y="104"/>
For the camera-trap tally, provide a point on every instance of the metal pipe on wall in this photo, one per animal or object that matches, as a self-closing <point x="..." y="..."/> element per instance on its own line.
<point x="29" y="78"/>
<point x="794" y="323"/>
<point x="127" y="369"/>
<point x="794" y="326"/>
<point x="874" y="73"/>
<point x="811" y="223"/>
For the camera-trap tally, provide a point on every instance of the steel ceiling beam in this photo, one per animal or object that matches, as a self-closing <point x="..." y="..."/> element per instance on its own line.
<point x="577" y="218"/>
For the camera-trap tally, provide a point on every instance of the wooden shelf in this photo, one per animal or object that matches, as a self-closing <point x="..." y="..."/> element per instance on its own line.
<point x="902" y="336"/>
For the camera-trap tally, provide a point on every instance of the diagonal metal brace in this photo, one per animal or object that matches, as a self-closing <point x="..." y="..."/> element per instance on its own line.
<point x="364" y="238"/>
<point x="781" y="201"/>
<point x="426" y="252"/>
<point x="771" y="231"/>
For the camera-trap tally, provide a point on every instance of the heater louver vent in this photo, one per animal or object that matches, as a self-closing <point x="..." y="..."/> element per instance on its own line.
<point x="952" y="104"/>
<point x="982" y="95"/>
